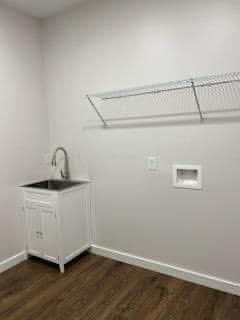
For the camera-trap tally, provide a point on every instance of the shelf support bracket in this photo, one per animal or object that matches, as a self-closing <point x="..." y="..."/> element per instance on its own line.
<point x="96" y="110"/>
<point x="197" y="100"/>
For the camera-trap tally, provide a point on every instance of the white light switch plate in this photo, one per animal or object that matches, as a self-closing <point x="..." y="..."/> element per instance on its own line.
<point x="152" y="163"/>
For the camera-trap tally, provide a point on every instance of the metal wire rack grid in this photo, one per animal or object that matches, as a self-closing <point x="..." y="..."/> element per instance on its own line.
<point x="202" y="96"/>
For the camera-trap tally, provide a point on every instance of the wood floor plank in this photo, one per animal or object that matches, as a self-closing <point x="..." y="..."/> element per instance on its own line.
<point x="96" y="288"/>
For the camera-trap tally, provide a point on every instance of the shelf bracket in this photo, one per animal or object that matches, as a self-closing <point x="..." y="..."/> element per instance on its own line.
<point x="197" y="100"/>
<point x="96" y="110"/>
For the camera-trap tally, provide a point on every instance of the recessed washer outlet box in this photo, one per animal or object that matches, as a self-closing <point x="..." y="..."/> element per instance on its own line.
<point x="187" y="177"/>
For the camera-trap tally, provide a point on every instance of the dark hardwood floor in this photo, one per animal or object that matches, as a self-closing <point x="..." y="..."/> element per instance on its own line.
<point x="97" y="288"/>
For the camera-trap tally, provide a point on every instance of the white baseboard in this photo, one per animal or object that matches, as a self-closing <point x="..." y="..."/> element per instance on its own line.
<point x="181" y="273"/>
<point x="76" y="253"/>
<point x="13" y="261"/>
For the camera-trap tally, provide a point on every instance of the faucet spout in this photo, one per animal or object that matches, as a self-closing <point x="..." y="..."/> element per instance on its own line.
<point x="65" y="174"/>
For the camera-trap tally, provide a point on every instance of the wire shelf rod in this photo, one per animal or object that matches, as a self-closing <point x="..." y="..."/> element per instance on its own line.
<point x="197" y="100"/>
<point x="216" y="83"/>
<point x="156" y="91"/>
<point x="146" y="92"/>
<point x="169" y="115"/>
<point x="155" y="116"/>
<point x="96" y="110"/>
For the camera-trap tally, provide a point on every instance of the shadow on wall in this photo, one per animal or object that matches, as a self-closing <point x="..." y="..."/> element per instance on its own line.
<point x="163" y="123"/>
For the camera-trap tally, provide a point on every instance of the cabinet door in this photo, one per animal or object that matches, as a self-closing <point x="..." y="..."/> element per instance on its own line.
<point x="34" y="231"/>
<point x="50" y="235"/>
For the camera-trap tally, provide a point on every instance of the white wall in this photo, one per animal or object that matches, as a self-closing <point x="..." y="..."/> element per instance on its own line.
<point x="111" y="44"/>
<point x="23" y="119"/>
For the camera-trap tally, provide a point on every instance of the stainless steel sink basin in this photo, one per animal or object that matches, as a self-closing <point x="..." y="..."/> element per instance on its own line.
<point x="54" y="185"/>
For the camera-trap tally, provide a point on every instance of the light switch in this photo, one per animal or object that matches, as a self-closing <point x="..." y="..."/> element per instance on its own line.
<point x="152" y="163"/>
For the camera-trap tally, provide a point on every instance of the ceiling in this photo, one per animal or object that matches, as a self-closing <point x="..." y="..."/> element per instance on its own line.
<point x="40" y="8"/>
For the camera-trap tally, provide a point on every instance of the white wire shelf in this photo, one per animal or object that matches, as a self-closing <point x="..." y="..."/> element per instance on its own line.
<point x="197" y="96"/>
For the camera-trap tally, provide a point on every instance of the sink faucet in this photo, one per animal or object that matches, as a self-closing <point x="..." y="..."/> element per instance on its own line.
<point x="65" y="174"/>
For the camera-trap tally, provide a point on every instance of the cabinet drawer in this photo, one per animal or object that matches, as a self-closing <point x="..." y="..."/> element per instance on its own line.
<point x="33" y="200"/>
<point x="37" y="207"/>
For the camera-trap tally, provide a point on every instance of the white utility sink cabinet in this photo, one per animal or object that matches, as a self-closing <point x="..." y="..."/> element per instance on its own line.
<point x="57" y="223"/>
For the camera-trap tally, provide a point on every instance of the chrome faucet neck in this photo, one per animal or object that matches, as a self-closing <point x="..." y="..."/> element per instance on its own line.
<point x="65" y="174"/>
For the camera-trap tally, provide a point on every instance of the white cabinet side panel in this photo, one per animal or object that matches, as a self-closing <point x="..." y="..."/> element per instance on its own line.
<point x="74" y="210"/>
